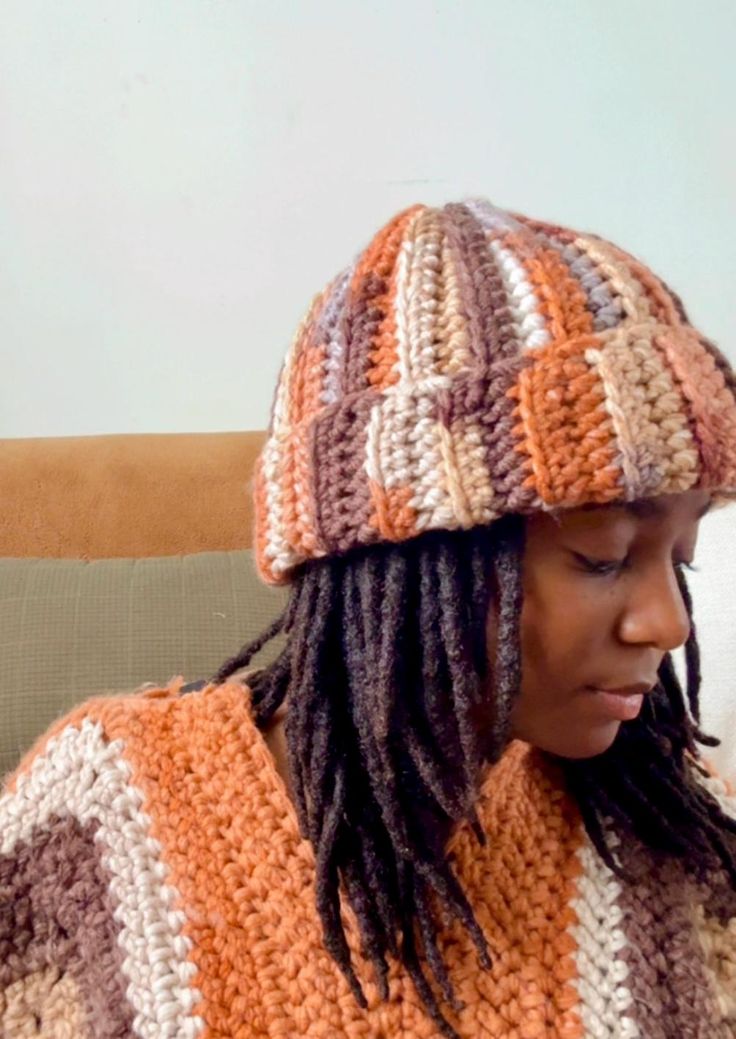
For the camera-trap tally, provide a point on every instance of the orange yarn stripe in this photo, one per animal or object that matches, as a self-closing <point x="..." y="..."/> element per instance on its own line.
<point x="380" y="257"/>
<point x="569" y="442"/>
<point x="394" y="518"/>
<point x="563" y="301"/>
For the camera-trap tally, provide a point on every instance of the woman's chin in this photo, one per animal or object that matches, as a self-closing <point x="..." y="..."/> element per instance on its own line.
<point x="577" y="745"/>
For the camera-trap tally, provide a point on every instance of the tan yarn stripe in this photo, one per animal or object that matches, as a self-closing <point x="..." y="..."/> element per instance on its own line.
<point x="633" y="298"/>
<point x="662" y="304"/>
<point x="50" y="997"/>
<point x="403" y="443"/>
<point x="452" y="335"/>
<point x="424" y="291"/>
<point x="454" y="477"/>
<point x="469" y="453"/>
<point x="718" y="945"/>
<point x="492" y="441"/>
<point x="651" y="429"/>
<point x="712" y="405"/>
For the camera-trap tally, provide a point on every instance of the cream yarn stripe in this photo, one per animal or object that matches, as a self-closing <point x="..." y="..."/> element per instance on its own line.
<point x="530" y="328"/>
<point x="81" y="775"/>
<point x="605" y="998"/>
<point x="330" y="329"/>
<point x="277" y="546"/>
<point x="404" y="331"/>
<point x="281" y="415"/>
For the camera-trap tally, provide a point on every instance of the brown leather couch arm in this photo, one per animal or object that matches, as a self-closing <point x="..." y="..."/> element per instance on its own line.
<point x="146" y="494"/>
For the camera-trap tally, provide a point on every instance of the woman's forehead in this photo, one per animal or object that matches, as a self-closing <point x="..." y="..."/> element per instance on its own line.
<point x="689" y="506"/>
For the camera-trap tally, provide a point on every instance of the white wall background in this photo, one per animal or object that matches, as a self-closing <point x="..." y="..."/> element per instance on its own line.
<point x="179" y="177"/>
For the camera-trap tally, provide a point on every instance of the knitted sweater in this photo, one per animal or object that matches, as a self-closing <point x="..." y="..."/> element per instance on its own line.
<point x="153" y="883"/>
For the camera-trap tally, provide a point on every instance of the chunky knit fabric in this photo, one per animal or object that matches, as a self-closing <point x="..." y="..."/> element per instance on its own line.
<point x="473" y="362"/>
<point x="153" y="883"/>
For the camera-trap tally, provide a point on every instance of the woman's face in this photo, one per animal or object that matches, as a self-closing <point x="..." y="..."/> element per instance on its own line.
<point x="601" y="608"/>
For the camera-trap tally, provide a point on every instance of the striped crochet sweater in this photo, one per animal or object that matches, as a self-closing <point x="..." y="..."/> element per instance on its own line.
<point x="153" y="883"/>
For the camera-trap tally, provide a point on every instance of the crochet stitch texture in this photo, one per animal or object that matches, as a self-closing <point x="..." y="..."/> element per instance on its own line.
<point x="153" y="883"/>
<point x="473" y="362"/>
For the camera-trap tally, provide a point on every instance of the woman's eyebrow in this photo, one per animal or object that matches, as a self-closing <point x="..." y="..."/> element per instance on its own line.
<point x="644" y="508"/>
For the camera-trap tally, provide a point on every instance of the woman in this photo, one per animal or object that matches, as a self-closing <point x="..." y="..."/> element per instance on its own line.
<point x="466" y="798"/>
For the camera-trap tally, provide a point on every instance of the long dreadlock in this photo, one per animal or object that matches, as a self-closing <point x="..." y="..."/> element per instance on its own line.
<point x="385" y="667"/>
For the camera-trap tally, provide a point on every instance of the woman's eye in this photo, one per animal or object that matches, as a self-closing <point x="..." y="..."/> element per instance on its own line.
<point x="601" y="566"/>
<point x="609" y="566"/>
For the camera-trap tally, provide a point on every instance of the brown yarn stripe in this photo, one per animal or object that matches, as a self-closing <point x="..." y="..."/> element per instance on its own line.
<point x="61" y="914"/>
<point x="484" y="299"/>
<point x="363" y="317"/>
<point x="337" y="455"/>
<point x="482" y="398"/>
<point x="482" y="394"/>
<point x="671" y="994"/>
<point x="370" y="319"/>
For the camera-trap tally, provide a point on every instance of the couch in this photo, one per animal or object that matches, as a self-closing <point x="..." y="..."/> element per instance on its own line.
<point x="124" y="560"/>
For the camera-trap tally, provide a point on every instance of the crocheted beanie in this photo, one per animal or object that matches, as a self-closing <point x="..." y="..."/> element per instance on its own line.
<point x="473" y="362"/>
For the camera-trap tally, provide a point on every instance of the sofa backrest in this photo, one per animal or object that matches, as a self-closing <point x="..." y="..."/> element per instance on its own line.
<point x="123" y="560"/>
<point x="127" y="495"/>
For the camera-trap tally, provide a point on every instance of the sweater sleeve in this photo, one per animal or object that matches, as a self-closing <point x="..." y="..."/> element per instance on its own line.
<point x="59" y="952"/>
<point x="59" y="958"/>
<point x="91" y="937"/>
<point x="716" y="915"/>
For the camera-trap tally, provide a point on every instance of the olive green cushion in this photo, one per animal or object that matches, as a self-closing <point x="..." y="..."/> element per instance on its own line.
<point x="71" y="629"/>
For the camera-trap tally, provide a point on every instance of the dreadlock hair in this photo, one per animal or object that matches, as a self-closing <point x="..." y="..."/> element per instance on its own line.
<point x="385" y="669"/>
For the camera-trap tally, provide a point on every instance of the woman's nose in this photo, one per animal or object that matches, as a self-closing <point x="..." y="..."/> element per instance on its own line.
<point x="655" y="612"/>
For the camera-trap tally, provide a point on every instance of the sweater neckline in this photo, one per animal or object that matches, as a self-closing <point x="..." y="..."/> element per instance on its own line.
<point x="266" y="761"/>
<point x="519" y="759"/>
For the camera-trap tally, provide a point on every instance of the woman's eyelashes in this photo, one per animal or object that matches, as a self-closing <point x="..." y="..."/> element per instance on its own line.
<point x="605" y="567"/>
<point x="601" y="567"/>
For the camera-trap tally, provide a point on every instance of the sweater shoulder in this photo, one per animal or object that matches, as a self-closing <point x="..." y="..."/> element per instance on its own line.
<point x="113" y="724"/>
<point x="90" y="918"/>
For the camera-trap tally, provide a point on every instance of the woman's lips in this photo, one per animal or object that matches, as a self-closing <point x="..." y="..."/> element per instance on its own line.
<point x="619" y="706"/>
